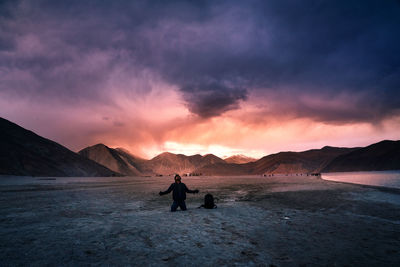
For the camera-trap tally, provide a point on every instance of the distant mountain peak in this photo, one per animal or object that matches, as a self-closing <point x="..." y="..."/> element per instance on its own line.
<point x="167" y="154"/>
<point x="99" y="145"/>
<point x="239" y="159"/>
<point x="113" y="159"/>
<point x="210" y="156"/>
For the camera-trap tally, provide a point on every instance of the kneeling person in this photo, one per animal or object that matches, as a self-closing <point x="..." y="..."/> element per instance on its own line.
<point x="179" y="193"/>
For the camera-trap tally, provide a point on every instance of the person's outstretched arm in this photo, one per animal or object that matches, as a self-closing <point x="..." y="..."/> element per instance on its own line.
<point x="191" y="191"/>
<point x="171" y="187"/>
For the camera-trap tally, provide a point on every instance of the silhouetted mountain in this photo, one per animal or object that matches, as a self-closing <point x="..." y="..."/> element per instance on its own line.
<point x="133" y="160"/>
<point x="169" y="163"/>
<point x="239" y="159"/>
<point x="25" y="153"/>
<point x="28" y="154"/>
<point x="381" y="156"/>
<point x="284" y="162"/>
<point x="122" y="161"/>
<point x="123" y="151"/>
<point x="211" y="159"/>
<point x="298" y="162"/>
<point x="224" y="169"/>
<point x="117" y="160"/>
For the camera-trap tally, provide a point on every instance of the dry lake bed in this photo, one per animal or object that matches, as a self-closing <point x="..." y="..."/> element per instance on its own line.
<point x="260" y="221"/>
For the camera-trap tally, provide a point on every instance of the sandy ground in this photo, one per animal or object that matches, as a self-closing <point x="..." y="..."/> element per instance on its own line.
<point x="260" y="221"/>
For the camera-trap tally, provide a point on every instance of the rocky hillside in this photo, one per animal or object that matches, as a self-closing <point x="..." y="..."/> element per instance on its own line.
<point x="239" y="159"/>
<point x="28" y="154"/>
<point x="298" y="162"/>
<point x="381" y="156"/>
<point x="284" y="162"/>
<point x="120" y="160"/>
<point x="169" y="163"/>
<point x="117" y="160"/>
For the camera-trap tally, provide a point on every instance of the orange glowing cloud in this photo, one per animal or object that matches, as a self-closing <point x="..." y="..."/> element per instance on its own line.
<point x="160" y="122"/>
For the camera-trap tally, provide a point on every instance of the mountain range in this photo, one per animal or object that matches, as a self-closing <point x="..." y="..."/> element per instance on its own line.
<point x="25" y="153"/>
<point x="309" y="161"/>
<point x="123" y="162"/>
<point x="380" y="156"/>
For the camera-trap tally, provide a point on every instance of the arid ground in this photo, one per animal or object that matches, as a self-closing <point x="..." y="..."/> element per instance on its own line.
<point x="260" y="221"/>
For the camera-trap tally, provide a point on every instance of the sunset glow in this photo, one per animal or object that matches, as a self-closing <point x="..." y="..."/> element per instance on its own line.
<point x="217" y="78"/>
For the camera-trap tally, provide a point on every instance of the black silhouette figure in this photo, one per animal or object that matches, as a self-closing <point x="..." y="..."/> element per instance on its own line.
<point x="179" y="191"/>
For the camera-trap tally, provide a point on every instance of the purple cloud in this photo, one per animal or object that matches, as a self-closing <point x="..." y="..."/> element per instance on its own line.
<point x="215" y="53"/>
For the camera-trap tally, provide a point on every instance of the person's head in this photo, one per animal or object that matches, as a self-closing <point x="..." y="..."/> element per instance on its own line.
<point x="177" y="178"/>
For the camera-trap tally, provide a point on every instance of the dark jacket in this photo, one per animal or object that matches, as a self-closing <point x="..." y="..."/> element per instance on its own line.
<point x="179" y="191"/>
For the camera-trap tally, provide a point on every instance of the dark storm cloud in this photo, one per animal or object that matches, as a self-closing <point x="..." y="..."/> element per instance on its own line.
<point x="212" y="99"/>
<point x="216" y="52"/>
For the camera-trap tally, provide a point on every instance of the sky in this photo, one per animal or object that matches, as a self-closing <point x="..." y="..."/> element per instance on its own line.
<point x="222" y="77"/>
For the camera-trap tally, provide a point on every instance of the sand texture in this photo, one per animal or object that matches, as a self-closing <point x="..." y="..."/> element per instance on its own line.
<point x="260" y="221"/>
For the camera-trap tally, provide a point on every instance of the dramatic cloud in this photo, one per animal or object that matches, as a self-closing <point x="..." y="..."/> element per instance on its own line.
<point x="213" y="99"/>
<point x="333" y="62"/>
